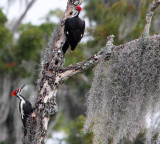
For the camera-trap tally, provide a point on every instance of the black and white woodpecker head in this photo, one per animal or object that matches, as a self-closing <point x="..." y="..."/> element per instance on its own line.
<point x="17" y="92"/>
<point x="78" y="10"/>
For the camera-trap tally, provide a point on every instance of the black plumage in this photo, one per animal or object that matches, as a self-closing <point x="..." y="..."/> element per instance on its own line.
<point x="74" y="31"/>
<point x="27" y="110"/>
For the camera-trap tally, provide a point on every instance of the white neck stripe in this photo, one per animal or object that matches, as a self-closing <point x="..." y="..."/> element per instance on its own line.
<point x="76" y="13"/>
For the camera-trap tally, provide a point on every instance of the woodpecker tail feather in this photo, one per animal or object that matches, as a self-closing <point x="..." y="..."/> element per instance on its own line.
<point x="73" y="47"/>
<point x="65" y="47"/>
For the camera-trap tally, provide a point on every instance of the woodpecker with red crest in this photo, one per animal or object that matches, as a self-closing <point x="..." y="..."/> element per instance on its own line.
<point x="74" y="30"/>
<point x="25" y="106"/>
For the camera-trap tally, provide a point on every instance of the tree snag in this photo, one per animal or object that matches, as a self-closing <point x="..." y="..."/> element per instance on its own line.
<point x="53" y="74"/>
<point x="149" y="16"/>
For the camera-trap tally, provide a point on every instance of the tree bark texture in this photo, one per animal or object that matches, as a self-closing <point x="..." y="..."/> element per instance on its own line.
<point x="53" y="74"/>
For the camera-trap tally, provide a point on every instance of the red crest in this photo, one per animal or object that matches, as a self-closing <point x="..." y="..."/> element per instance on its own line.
<point x="14" y="93"/>
<point x="79" y="8"/>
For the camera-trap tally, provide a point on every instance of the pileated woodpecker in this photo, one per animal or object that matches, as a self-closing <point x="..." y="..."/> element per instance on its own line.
<point x="74" y="30"/>
<point x="25" y="106"/>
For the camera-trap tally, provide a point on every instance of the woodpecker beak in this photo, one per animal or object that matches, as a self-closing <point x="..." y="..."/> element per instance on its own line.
<point x="22" y="87"/>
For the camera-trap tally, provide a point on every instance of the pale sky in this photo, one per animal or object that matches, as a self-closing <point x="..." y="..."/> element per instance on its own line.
<point x="38" y="11"/>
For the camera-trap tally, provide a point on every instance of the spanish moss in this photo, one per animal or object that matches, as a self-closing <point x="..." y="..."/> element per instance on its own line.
<point x="123" y="95"/>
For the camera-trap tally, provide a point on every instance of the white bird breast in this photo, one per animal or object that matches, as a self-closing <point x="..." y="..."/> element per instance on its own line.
<point x="22" y="112"/>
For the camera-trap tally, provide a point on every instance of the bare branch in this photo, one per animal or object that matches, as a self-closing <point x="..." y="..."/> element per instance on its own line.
<point x="92" y="61"/>
<point x="149" y="15"/>
<point x="17" y="23"/>
<point x="76" y="2"/>
<point x="71" y="71"/>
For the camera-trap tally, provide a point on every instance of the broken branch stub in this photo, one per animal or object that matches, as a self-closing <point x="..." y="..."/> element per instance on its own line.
<point x="76" y="2"/>
<point x="149" y="16"/>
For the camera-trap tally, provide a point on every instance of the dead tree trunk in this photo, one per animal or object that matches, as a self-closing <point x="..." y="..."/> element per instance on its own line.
<point x="53" y="74"/>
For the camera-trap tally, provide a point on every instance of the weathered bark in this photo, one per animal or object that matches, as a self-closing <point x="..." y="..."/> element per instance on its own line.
<point x="49" y="83"/>
<point x="149" y="16"/>
<point x="53" y="74"/>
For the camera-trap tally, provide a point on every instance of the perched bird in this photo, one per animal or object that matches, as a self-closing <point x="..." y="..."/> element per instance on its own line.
<point x="25" y="106"/>
<point x="74" y="30"/>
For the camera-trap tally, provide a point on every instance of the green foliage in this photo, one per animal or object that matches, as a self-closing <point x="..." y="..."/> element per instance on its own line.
<point x="3" y="18"/>
<point x="76" y="135"/>
<point x="5" y="34"/>
<point x="76" y="56"/>
<point x="5" y="37"/>
<point x="47" y="29"/>
<point x="16" y="56"/>
<point x="29" y="44"/>
<point x="110" y="19"/>
<point x="6" y="55"/>
<point x="3" y="143"/>
<point x="155" y="137"/>
<point x="32" y="40"/>
<point x="57" y="12"/>
<point x="93" y="9"/>
<point x="74" y="130"/>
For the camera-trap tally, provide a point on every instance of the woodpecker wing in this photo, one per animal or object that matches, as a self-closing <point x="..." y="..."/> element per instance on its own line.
<point x="74" y="30"/>
<point x="25" y="109"/>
